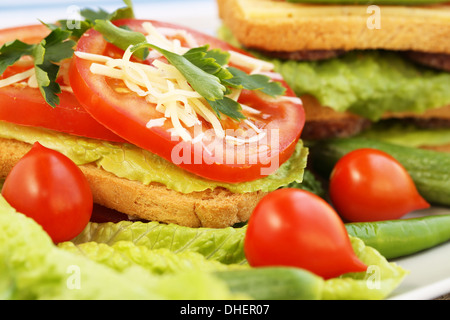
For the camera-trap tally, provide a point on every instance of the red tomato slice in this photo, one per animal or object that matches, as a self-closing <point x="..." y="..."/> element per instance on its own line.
<point x="127" y="115"/>
<point x="25" y="105"/>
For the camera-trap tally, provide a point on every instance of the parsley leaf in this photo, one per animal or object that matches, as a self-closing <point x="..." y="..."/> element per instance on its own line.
<point x="56" y="47"/>
<point x="51" y="50"/>
<point x="260" y="82"/>
<point x="76" y="27"/>
<point x="228" y="107"/>
<point x="79" y="27"/>
<point x="206" y="84"/>
<point x="121" y="37"/>
<point x="211" y="61"/>
<point x="121" y="13"/>
<point x="12" y="51"/>
<point x="205" y="70"/>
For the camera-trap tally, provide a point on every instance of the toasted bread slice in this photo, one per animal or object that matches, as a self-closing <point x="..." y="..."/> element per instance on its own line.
<point x="282" y="26"/>
<point x="216" y="208"/>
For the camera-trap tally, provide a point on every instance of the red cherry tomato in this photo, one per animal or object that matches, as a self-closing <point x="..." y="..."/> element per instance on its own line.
<point x="370" y="185"/>
<point x="47" y="186"/>
<point x="293" y="227"/>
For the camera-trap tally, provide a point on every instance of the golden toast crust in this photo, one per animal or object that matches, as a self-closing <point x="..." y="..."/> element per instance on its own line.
<point x="216" y="208"/>
<point x="282" y="26"/>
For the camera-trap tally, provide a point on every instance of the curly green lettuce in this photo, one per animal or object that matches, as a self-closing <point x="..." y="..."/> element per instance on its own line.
<point x="33" y="268"/>
<point x="128" y="161"/>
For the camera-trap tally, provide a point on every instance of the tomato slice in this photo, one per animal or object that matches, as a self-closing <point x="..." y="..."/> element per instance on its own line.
<point x="127" y="114"/>
<point x="25" y="105"/>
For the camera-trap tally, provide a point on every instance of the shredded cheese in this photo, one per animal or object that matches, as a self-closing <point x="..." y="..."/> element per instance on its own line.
<point x="156" y="122"/>
<point x="18" y="77"/>
<point x="163" y="85"/>
<point x="160" y="84"/>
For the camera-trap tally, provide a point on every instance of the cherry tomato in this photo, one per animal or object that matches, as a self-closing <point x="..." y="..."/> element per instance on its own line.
<point x="47" y="186"/>
<point x="16" y="101"/>
<point x="112" y="108"/>
<point x="293" y="227"/>
<point x="369" y="185"/>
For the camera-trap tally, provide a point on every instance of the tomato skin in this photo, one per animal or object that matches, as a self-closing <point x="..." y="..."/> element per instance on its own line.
<point x="68" y="117"/>
<point x="293" y="227"/>
<point x="370" y="185"/>
<point x="112" y="110"/>
<point x="47" y="186"/>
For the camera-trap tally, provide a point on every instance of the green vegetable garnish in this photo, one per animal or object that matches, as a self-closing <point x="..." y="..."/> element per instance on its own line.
<point x="203" y="69"/>
<point x="57" y="46"/>
<point x="46" y="54"/>
<point x="53" y="49"/>
<point x="78" y="27"/>
<point x="121" y="38"/>
<point x="121" y="13"/>
<point x="11" y="52"/>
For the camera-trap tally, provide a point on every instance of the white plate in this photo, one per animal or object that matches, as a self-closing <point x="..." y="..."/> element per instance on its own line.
<point x="429" y="275"/>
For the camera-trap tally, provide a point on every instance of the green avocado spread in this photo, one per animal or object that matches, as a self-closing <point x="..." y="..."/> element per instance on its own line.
<point x="133" y="163"/>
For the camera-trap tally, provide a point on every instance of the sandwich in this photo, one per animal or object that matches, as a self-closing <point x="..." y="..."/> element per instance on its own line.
<point x="356" y="65"/>
<point x="176" y="131"/>
<point x="169" y="126"/>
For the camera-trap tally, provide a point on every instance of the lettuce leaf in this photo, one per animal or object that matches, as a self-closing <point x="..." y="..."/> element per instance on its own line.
<point x="133" y="163"/>
<point x="124" y="254"/>
<point x="380" y="279"/>
<point x="368" y="83"/>
<point x="226" y="246"/>
<point x="32" y="267"/>
<point x="223" y="245"/>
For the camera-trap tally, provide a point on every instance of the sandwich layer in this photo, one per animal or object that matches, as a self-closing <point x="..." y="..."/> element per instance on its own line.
<point x="144" y="186"/>
<point x="324" y="122"/>
<point x="215" y="208"/>
<point x="258" y="24"/>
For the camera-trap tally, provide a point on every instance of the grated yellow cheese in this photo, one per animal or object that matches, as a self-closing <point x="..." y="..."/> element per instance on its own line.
<point x="163" y="85"/>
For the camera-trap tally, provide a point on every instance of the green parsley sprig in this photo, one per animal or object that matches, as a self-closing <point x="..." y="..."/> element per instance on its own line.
<point x="46" y="55"/>
<point x="205" y="70"/>
<point x="57" y="46"/>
